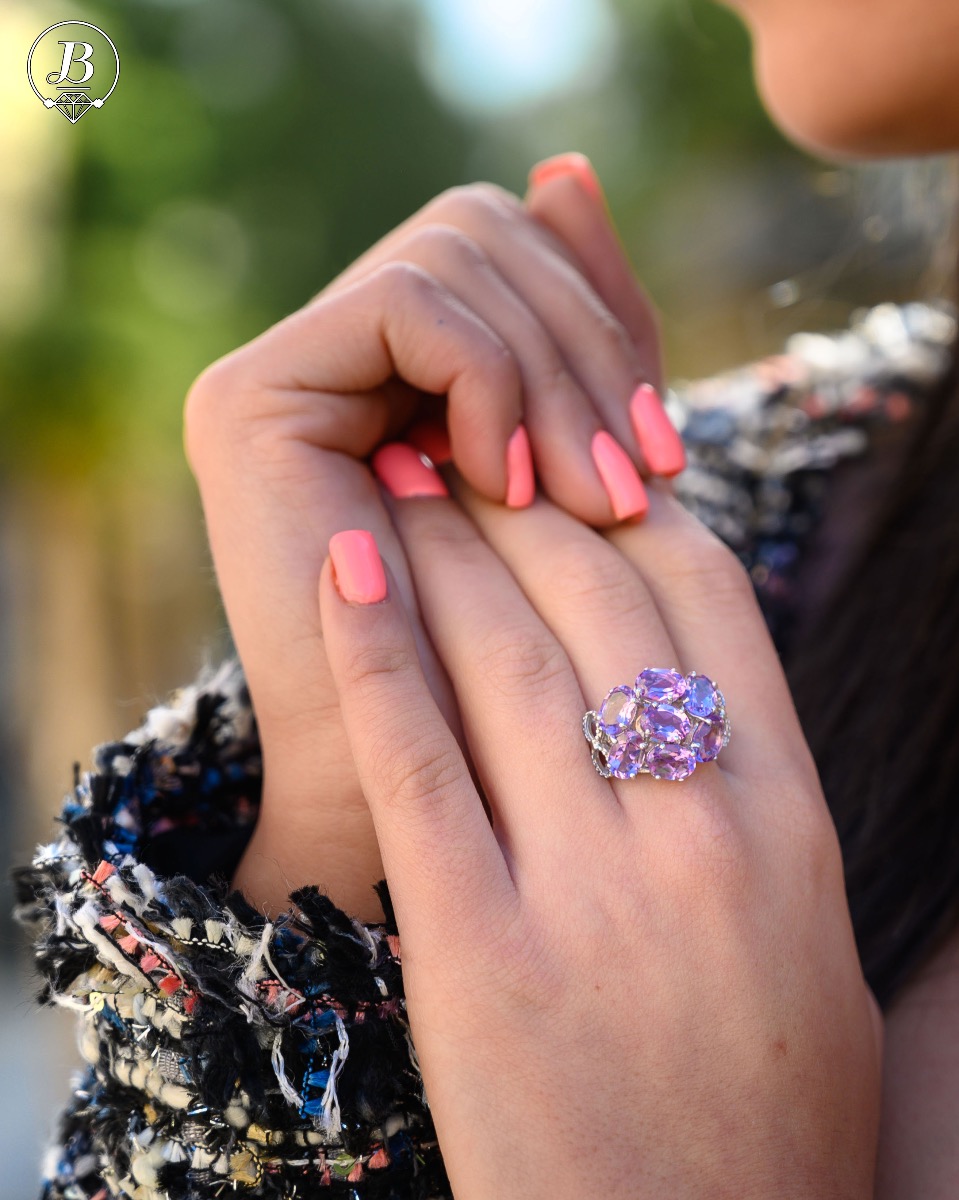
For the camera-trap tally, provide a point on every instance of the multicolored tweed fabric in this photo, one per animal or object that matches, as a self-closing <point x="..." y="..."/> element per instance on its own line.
<point x="233" y="1055"/>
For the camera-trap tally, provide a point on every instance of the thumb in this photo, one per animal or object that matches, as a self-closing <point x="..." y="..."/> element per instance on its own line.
<point x="566" y="196"/>
<point x="440" y="854"/>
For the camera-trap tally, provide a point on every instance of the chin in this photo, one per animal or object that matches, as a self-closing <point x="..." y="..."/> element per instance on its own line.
<point x="823" y="104"/>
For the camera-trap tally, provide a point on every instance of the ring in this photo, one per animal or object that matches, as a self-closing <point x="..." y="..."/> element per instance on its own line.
<point x="665" y="726"/>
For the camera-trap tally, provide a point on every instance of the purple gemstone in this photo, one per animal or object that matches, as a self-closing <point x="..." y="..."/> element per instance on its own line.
<point x="663" y="723"/>
<point x="671" y="762"/>
<point x="660" y="683"/>
<point x="618" y="711"/>
<point x="701" y="699"/>
<point x="626" y="755"/>
<point x="707" y="739"/>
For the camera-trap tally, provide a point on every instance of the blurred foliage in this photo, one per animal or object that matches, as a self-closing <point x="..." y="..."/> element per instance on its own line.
<point x="253" y="149"/>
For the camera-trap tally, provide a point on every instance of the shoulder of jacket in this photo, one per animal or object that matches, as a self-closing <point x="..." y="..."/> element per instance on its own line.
<point x="754" y="434"/>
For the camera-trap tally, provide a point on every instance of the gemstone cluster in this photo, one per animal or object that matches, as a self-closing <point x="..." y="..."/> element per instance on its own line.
<point x="665" y="725"/>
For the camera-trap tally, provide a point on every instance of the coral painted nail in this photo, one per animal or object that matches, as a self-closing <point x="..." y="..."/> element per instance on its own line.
<point x="661" y="445"/>
<point x="357" y="567"/>
<point x="620" y="478"/>
<point x="520" y="480"/>
<point x="571" y="163"/>
<point x="404" y="472"/>
<point x="431" y="438"/>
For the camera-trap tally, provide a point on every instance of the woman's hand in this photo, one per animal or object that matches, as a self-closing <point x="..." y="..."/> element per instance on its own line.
<point x="473" y="299"/>
<point x="618" y="988"/>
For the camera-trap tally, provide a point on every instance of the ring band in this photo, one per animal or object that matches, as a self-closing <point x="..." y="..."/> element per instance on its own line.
<point x="665" y="725"/>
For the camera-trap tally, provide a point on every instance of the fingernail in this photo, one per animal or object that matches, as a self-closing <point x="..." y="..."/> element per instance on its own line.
<point x="520" y="480"/>
<point x="620" y="478"/>
<point x="571" y="163"/>
<point x="431" y="438"/>
<point x="661" y="445"/>
<point x="357" y="567"/>
<point x="404" y="472"/>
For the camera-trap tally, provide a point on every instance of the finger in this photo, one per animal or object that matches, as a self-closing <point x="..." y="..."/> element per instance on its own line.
<point x="626" y="601"/>
<point x="600" y="611"/>
<point x="560" y="417"/>
<point x="566" y="196"/>
<point x="578" y="584"/>
<point x="442" y="862"/>
<point x="511" y="677"/>
<point x="710" y="607"/>
<point x="598" y="351"/>
<point x="317" y="377"/>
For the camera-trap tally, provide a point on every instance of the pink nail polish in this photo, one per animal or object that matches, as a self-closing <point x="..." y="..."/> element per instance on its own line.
<point x="620" y="478"/>
<point x="571" y="163"/>
<point x="661" y="445"/>
<point x="431" y="438"/>
<point x="520" y="480"/>
<point x="404" y="472"/>
<point x="357" y="567"/>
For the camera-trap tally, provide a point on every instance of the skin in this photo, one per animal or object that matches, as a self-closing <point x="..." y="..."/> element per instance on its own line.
<point x="513" y="310"/>
<point x="859" y="78"/>
<point x="367" y="729"/>
<point x="695" y="1025"/>
<point x="276" y="433"/>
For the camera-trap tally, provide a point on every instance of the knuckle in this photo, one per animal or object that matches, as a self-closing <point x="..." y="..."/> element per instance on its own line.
<point x="374" y="668"/>
<point x="494" y="196"/>
<point x="713" y="571"/>
<point x="465" y="204"/>
<point x="551" y="376"/>
<point x="448" y="243"/>
<point x="609" y="334"/>
<point x="401" y="279"/>
<point x="412" y="288"/>
<point x="209" y="404"/>
<point x="444" y="536"/>
<point x="708" y="854"/>
<point x="591" y="579"/>
<point x="418" y="767"/>
<point x="812" y="845"/>
<point x="521" y="661"/>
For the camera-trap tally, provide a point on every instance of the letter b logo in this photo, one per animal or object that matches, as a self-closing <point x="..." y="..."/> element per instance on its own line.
<point x="73" y="67"/>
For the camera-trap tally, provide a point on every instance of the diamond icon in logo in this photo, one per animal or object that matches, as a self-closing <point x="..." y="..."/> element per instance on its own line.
<point x="73" y="105"/>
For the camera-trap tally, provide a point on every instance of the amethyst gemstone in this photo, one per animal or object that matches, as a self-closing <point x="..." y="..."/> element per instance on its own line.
<point x="618" y="711"/>
<point x="707" y="739"/>
<point x="701" y="698"/>
<point x="626" y="755"/>
<point x="671" y="762"/>
<point x="663" y="723"/>
<point x="660" y="684"/>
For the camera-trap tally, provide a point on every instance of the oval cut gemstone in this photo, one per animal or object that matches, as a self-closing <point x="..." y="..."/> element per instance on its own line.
<point x="618" y="711"/>
<point x="660" y="684"/>
<point x="701" y="698"/>
<point x="626" y="755"/>
<point x="671" y="762"/>
<point x="663" y="723"/>
<point x="707" y="739"/>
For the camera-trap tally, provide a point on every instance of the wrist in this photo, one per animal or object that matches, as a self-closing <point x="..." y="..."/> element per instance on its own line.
<point x="335" y="851"/>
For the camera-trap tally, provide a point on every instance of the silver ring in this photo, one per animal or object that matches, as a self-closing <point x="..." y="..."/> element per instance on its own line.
<point x="664" y="725"/>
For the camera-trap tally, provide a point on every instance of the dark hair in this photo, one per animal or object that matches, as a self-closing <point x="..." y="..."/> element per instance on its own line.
<point x="875" y="683"/>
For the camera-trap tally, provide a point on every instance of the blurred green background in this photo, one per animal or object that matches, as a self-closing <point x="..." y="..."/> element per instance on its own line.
<point x="250" y="151"/>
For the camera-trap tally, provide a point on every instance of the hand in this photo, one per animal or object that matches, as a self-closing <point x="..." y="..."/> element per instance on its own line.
<point x="472" y="298"/>
<point x="627" y="989"/>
